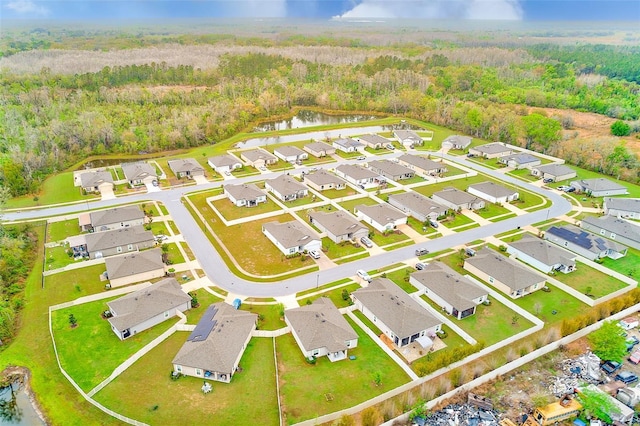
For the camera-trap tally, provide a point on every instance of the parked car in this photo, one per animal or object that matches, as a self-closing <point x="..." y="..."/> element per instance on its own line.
<point x="631" y="343"/>
<point x="314" y="254"/>
<point x="634" y="358"/>
<point x="626" y="377"/>
<point x="363" y="274"/>
<point x="433" y="223"/>
<point x="154" y="182"/>
<point x="362" y="157"/>
<point x="547" y="180"/>
<point x="470" y="155"/>
<point x="420" y="266"/>
<point x="421" y="252"/>
<point x="563" y="187"/>
<point x="570" y="189"/>
<point x="611" y="367"/>
<point x="366" y="241"/>
<point x="389" y="146"/>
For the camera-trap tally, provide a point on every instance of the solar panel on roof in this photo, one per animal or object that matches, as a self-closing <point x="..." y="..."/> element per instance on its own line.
<point x="204" y="326"/>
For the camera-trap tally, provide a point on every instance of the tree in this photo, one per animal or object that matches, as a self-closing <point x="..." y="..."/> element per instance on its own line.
<point x="597" y="404"/>
<point x="608" y="342"/>
<point x="345" y="420"/>
<point x="540" y="131"/>
<point x="620" y="128"/>
<point x="73" y="322"/>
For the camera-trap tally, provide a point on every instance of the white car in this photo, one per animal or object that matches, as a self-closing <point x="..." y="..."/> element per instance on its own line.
<point x="363" y="274"/>
<point x="314" y="254"/>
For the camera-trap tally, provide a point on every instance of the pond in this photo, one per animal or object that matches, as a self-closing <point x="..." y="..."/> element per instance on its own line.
<point x="16" y="408"/>
<point x="102" y="162"/>
<point x="306" y="118"/>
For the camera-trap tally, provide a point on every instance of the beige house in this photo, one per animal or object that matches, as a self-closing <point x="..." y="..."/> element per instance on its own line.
<point x="491" y="150"/>
<point x="115" y="218"/>
<point x="505" y="274"/>
<point x="323" y="180"/>
<point x="320" y="149"/>
<point x="373" y="141"/>
<point x="290" y="154"/>
<point x="458" y="200"/>
<point x="493" y="192"/>
<point x="186" y="167"/>
<point x="142" y="309"/>
<point x="422" y="165"/>
<point x="408" y="137"/>
<point x="96" y="181"/>
<point x="348" y="145"/>
<point x="140" y="173"/>
<point x="382" y="217"/>
<point x="291" y="237"/>
<point x="418" y="206"/>
<point x="320" y="329"/>
<point x="391" y="170"/>
<point x="357" y="175"/>
<point x="520" y="161"/>
<point x="628" y="208"/>
<point x="339" y="226"/>
<point x="286" y="188"/>
<point x="134" y="267"/>
<point x="245" y="194"/>
<point x="457" y="142"/>
<point x="214" y="348"/>
<point x="118" y="241"/>
<point x="258" y="158"/>
<point x="556" y="172"/>
<point x="225" y="163"/>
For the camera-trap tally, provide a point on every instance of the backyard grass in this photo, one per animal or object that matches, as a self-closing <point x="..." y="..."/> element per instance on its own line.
<point x="414" y="179"/>
<point x="552" y="307"/>
<point x="336" y="385"/>
<point x="335" y="251"/>
<point x="628" y="265"/>
<point x="230" y="211"/>
<point x="102" y="351"/>
<point x="590" y="281"/>
<point x="453" y="341"/>
<point x="57" y="257"/>
<point x="77" y="282"/>
<point x="401" y="278"/>
<point x="339" y="193"/>
<point x="58" y="231"/>
<point x="174" y="256"/>
<point x="335" y="295"/>
<point x="146" y="393"/>
<point x="269" y="315"/>
<point x="311" y="198"/>
<point x="350" y="204"/>
<point x="492" y="210"/>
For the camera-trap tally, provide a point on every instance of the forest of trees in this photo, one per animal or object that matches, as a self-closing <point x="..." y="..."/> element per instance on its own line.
<point x="61" y="114"/>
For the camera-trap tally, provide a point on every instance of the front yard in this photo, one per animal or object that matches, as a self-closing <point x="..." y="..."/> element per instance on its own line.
<point x="336" y="251"/>
<point x="230" y="211"/>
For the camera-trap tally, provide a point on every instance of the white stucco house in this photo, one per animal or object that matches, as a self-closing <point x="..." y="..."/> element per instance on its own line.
<point x="382" y="217"/>
<point x="245" y="194"/>
<point x="542" y="255"/>
<point x="224" y="163"/>
<point x="493" y="192"/>
<point x="286" y="188"/>
<point x="339" y="226"/>
<point x="291" y="237"/>
<point x="290" y="154"/>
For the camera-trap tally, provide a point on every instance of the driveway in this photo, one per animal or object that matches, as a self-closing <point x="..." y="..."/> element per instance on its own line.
<point x="151" y="188"/>
<point x="200" y="180"/>
<point x="107" y="194"/>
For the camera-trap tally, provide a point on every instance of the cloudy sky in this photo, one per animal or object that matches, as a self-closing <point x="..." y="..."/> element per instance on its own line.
<point x="528" y="10"/>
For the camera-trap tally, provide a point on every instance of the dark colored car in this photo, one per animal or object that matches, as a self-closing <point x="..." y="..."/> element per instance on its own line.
<point x="626" y="377"/>
<point x="631" y="343"/>
<point x="611" y="367"/>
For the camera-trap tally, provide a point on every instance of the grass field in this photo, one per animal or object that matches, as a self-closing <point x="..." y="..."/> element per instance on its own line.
<point x="552" y="307"/>
<point x="57" y="257"/>
<point x="455" y="221"/>
<point x="174" y="256"/>
<point x="350" y="204"/>
<point x="77" y="282"/>
<point x="58" y="231"/>
<point x="628" y="265"/>
<point x="336" y="385"/>
<point x="269" y="315"/>
<point x="491" y="210"/>
<point x="339" y="193"/>
<point x="55" y="189"/>
<point x="590" y="281"/>
<point x="230" y="211"/>
<point x="335" y="295"/>
<point x="335" y="251"/>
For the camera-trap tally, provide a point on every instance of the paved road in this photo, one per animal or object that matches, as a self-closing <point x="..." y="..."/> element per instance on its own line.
<point x="218" y="272"/>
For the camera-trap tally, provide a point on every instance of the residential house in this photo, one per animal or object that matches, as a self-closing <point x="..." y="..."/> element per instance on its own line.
<point x="584" y="243"/>
<point x="408" y="137"/>
<point x="491" y="150"/>
<point x="214" y="348"/>
<point x="391" y="170"/>
<point x="140" y="173"/>
<point x="286" y="188"/>
<point x="290" y="154"/>
<point x="144" y="308"/>
<point x="320" y="149"/>
<point x="134" y="267"/>
<point x="224" y="163"/>
<point x="396" y="314"/>
<point x="382" y="217"/>
<point x="258" y="158"/>
<point x="245" y="194"/>
<point x="117" y="241"/>
<point x="320" y="329"/>
<point x="457" y="142"/>
<point x="458" y="200"/>
<point x="622" y="207"/>
<point x="373" y="141"/>
<point x="557" y="172"/>
<point x="507" y="275"/>
<point x="418" y="206"/>
<point x="322" y="180"/>
<point x="599" y="187"/>
<point x="620" y="230"/>
<point x="96" y="181"/>
<point x="457" y="295"/>
<point x="291" y="237"/>
<point x="339" y="226"/>
<point x="115" y="218"/>
<point x="186" y="167"/>
<point x="542" y="255"/>
<point x="358" y="175"/>
<point x="348" y="145"/>
<point x="493" y="192"/>
<point x="520" y="161"/>
<point x="422" y="165"/>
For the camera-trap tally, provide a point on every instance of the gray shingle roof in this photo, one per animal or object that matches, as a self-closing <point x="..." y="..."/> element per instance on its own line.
<point x="374" y="139"/>
<point x="92" y="179"/>
<point x="453" y="288"/>
<point x="419" y="203"/>
<point x="509" y="272"/>
<point x="348" y="143"/>
<point x="407" y="134"/>
<point x="244" y="191"/>
<point x="286" y="185"/>
<point x="288" y="151"/>
<point x="456" y="196"/>
<point x="543" y="251"/>
<point x="555" y="169"/>
<point x="224" y="160"/>
<point x="183" y="165"/>
<point x="463" y="141"/>
<point x="492" y="148"/>
<point x="115" y="215"/>
<point x="134" y="263"/>
<point x="139" y="170"/>
<point x="587" y="240"/>
<point x="599" y="184"/>
<point x="625" y="204"/>
<point x="338" y="223"/>
<point x="322" y="177"/>
<point x="290" y="234"/>
<point x="319" y="147"/>
<point x="356" y="172"/>
<point x="141" y="305"/>
<point x="493" y="189"/>
<point x="381" y="213"/>
<point x="320" y="325"/>
<point x="390" y="168"/>
<point x="223" y="344"/>
<point x="421" y="162"/>
<point x="117" y="237"/>
<point x="388" y="302"/>
<point x="617" y="226"/>
<point x="521" y="158"/>
<point x="258" y="154"/>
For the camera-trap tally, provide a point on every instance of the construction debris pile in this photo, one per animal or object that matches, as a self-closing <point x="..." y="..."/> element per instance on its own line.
<point x="575" y="372"/>
<point x="464" y="415"/>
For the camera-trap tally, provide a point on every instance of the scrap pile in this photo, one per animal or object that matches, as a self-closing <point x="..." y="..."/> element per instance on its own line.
<point x="575" y="372"/>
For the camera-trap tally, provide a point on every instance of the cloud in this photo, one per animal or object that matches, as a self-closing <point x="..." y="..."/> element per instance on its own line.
<point x="436" y="9"/>
<point x="24" y="7"/>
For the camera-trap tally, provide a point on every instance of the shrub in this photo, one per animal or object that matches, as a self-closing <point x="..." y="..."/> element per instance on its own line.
<point x="620" y="128"/>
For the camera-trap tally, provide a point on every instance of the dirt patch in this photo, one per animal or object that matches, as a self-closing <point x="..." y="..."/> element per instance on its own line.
<point x="23" y="375"/>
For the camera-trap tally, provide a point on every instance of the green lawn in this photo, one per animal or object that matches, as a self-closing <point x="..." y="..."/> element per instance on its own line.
<point x="269" y="315"/>
<point x="173" y="227"/>
<point x="399" y="277"/>
<point x="230" y="211"/>
<point x="58" y="231"/>
<point x="336" y="385"/>
<point x="339" y="193"/>
<point x="102" y="351"/>
<point x="57" y="257"/>
<point x="301" y="201"/>
<point x="415" y="179"/>
<point x="345" y="248"/>
<point x="348" y="155"/>
<point x="492" y="210"/>
<point x="55" y="189"/>
<point x="335" y="295"/>
<point x="628" y="265"/>
<point x="455" y="221"/>
<point x="524" y="174"/>
<point x="350" y="204"/>
<point x="530" y="201"/>
<point x="187" y="250"/>
<point x="244" y="171"/>
<point x="324" y="287"/>
<point x="387" y="238"/>
<point x="543" y="305"/>
<point x="174" y="256"/>
<point x="146" y="393"/>
<point x="77" y="282"/>
<point x="204" y="300"/>
<point x="588" y="280"/>
<point x="420" y="228"/>
<point x="453" y="341"/>
<point x="158" y="228"/>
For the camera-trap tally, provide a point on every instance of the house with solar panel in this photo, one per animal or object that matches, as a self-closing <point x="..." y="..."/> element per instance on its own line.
<point x="584" y="243"/>
<point x="214" y="348"/>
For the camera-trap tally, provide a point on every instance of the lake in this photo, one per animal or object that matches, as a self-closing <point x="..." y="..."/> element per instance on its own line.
<point x="16" y="408"/>
<point x="306" y="118"/>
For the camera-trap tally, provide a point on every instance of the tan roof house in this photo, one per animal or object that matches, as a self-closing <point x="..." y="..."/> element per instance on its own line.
<point x="457" y="295"/>
<point x="286" y="188"/>
<point x="542" y="255"/>
<point x="358" y="175"/>
<point x="493" y="192"/>
<point x="382" y="217"/>
<point x="557" y="172"/>
<point x="186" y="167"/>
<point x="290" y="154"/>
<point x="115" y="218"/>
<point x="291" y="237"/>
<point x="373" y="141"/>
<point x="139" y="173"/>
<point x="458" y="200"/>
<point x="142" y="309"/>
<point x="319" y="329"/>
<point x="348" y="145"/>
<point x="214" y="348"/>
<point x="134" y="267"/>
<point x="96" y="181"/>
<point x="224" y="163"/>
<point x="456" y="142"/>
<point x="422" y="165"/>
<point x="391" y="170"/>
<point x="418" y="206"/>
<point x="339" y="226"/>
<point x="258" y="158"/>
<point x="507" y="275"/>
<point x="396" y="314"/>
<point x="408" y="137"/>
<point x="245" y="194"/>
<point x="320" y="149"/>
<point x="491" y="150"/>
<point x="118" y="241"/>
<point x="323" y="180"/>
